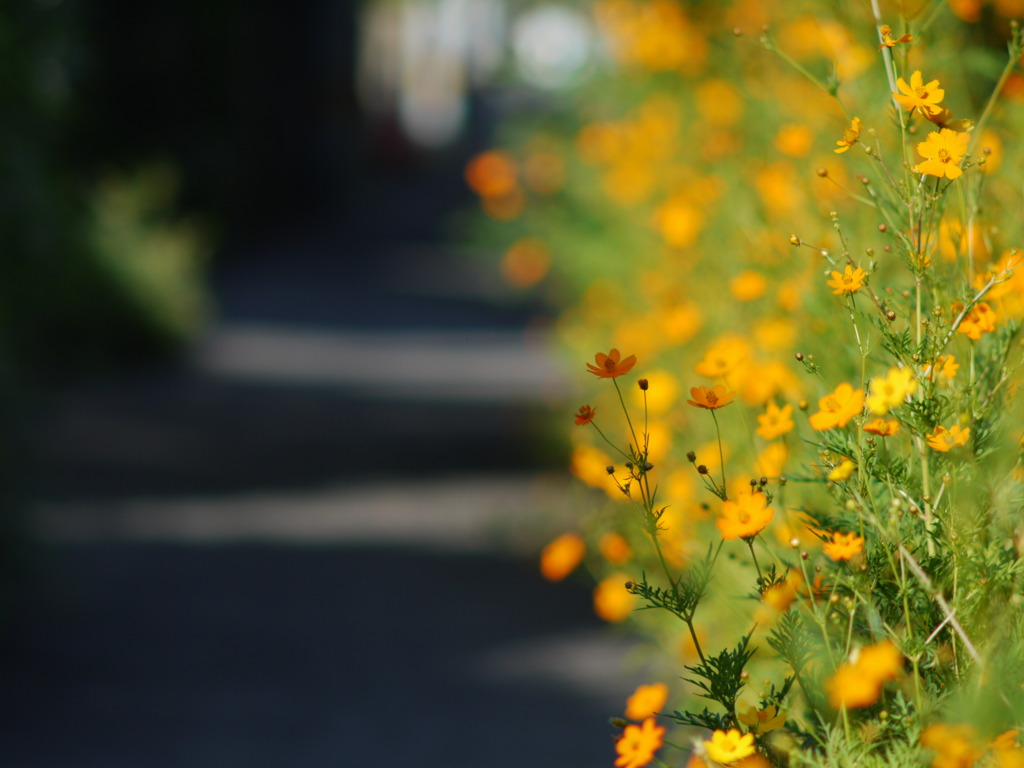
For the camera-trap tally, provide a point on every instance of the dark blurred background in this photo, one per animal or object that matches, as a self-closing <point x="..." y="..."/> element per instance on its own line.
<point x="273" y="453"/>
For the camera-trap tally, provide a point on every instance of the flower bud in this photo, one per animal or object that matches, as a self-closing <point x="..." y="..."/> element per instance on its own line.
<point x="643" y="384"/>
<point x="702" y="470"/>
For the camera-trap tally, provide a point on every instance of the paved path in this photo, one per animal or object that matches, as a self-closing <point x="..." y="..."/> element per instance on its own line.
<point x="307" y="544"/>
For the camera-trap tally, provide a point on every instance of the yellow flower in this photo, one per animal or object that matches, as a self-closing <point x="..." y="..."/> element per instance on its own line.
<point x="850" y="136"/>
<point x="917" y="95"/>
<point x="981" y="319"/>
<point x="775" y="421"/>
<point x="765" y="720"/>
<point x="943" y="439"/>
<point x="850" y="689"/>
<point x="848" y="281"/>
<point x="881" y="661"/>
<point x="943" y="150"/>
<point x="945" y="366"/>
<point x="616" y="550"/>
<point x="794" y="140"/>
<point x="725" y="356"/>
<point x="561" y="556"/>
<point x="744" y="518"/>
<point x="843" y="546"/>
<point x="612" y="601"/>
<point x="885" y="31"/>
<point x="843" y="472"/>
<point x="748" y="285"/>
<point x="646" y="701"/>
<point x="891" y="390"/>
<point x="638" y="743"/>
<point x="882" y="428"/>
<point x="729" y="747"/>
<point x="838" y="408"/>
<point x="956" y="745"/>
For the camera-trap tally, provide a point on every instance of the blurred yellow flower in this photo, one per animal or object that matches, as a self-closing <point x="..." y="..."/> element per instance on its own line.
<point x="724" y="356"/>
<point x="560" y="558"/>
<point x="525" y="263"/>
<point x="794" y="140"/>
<point x="661" y="394"/>
<point x="616" y="550"/>
<point x="838" y="408"/>
<point x="944" y="367"/>
<point x="612" y="601"/>
<point x="492" y="174"/>
<point x="775" y="421"/>
<point x="745" y="517"/>
<point x="762" y="720"/>
<point x="843" y="546"/>
<point x="882" y="428"/>
<point x="843" y="472"/>
<point x="646" y="701"/>
<point x="678" y="221"/>
<point x="748" y="285"/>
<point x="719" y="102"/>
<point x="891" y="391"/>
<point x="956" y="745"/>
<point x="682" y="322"/>
<point x="728" y="747"/>
<point x="944" y="440"/>
<point x="980" y="320"/>
<point x="772" y="460"/>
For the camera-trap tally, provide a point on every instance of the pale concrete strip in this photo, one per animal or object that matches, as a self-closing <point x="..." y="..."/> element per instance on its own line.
<point x="425" y="365"/>
<point x="471" y="514"/>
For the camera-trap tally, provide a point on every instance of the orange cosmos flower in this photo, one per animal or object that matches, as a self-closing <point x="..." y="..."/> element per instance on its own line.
<point x="745" y="517"/>
<point x="615" y="549"/>
<point x="888" y="41"/>
<point x="882" y="428"/>
<point x="944" y="365"/>
<point x="638" y="743"/>
<point x="956" y="745"/>
<point x="561" y="556"/>
<point x="610" y="366"/>
<point x="716" y="397"/>
<point x="775" y="421"/>
<point x="646" y="701"/>
<point x="492" y="174"/>
<point x="850" y="136"/>
<point x="843" y="546"/>
<point x="585" y="415"/>
<point x="848" y="281"/>
<point x="980" y="320"/>
<point x="917" y="95"/>
<point x="943" y="150"/>
<point x="858" y="683"/>
<point x="612" y="601"/>
<point x="838" y="408"/>
<point x="943" y="439"/>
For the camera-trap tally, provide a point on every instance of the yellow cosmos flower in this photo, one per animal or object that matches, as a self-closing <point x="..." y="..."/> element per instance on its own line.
<point x="775" y="421"/>
<point x="638" y="744"/>
<point x="858" y="683"/>
<point x="646" y="701"/>
<point x="745" y="517"/>
<point x="561" y="556"/>
<point x="725" y="355"/>
<point x="728" y="747"/>
<point x="843" y="472"/>
<point x="748" y="285"/>
<point x="848" y="281"/>
<point x="943" y="150"/>
<point x="944" y="367"/>
<point x="850" y="136"/>
<point x="612" y="601"/>
<point x="764" y="720"/>
<point x="891" y="390"/>
<point x="943" y="439"/>
<point x="918" y="95"/>
<point x="843" y="546"/>
<point x="838" y="408"/>
<point x="956" y="745"/>
<point x="882" y="428"/>
<point x="888" y="41"/>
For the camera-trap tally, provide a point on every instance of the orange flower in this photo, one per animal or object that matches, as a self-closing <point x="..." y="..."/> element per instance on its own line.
<point x="917" y="95"/>
<point x="561" y="556"/>
<point x="492" y="174"/>
<point x="944" y="365"/>
<point x="943" y="439"/>
<point x="885" y="31"/>
<point x="745" y="517"/>
<point x="646" y="701"/>
<point x="638" y="743"/>
<point x="838" y="408"/>
<point x="956" y="745"/>
<point x="713" y="398"/>
<point x="850" y="136"/>
<point x="585" y="415"/>
<point x="943" y="150"/>
<point x="858" y="683"/>
<point x="881" y="661"/>
<point x="981" y="319"/>
<point x="612" y="601"/>
<point x="843" y="546"/>
<point x="848" y="281"/>
<point x="615" y="549"/>
<point x="882" y="428"/>
<point x="610" y="366"/>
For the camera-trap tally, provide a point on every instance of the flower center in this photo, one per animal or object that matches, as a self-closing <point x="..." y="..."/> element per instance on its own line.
<point x="712" y="398"/>
<point x="744" y="517"/>
<point x="609" y="364"/>
<point x="944" y="155"/>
